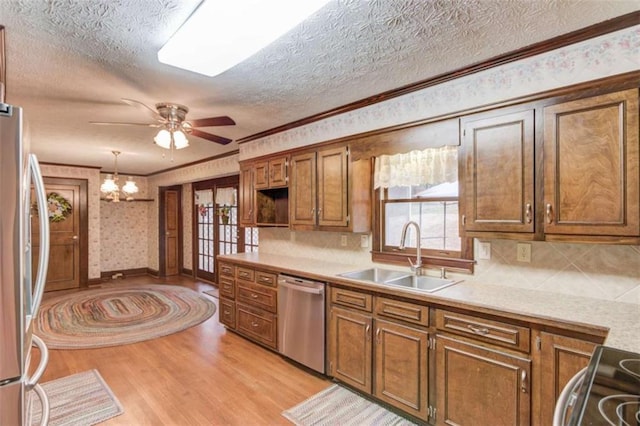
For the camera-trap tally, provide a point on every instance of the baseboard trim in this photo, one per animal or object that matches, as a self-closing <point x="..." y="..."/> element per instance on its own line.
<point x="123" y="273"/>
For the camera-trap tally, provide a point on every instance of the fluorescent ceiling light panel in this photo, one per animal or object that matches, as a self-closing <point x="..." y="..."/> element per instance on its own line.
<point x="223" y="33"/>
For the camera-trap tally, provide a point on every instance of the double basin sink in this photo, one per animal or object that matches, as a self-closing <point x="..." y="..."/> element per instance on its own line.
<point x="400" y="279"/>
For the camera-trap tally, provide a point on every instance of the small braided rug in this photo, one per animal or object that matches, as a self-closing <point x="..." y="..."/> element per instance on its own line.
<point x="82" y="399"/>
<point x="119" y="315"/>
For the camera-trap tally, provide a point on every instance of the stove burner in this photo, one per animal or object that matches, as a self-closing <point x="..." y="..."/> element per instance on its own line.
<point x="631" y="366"/>
<point x="623" y="408"/>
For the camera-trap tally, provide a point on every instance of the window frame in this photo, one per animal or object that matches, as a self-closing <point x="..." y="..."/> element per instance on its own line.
<point x="450" y="259"/>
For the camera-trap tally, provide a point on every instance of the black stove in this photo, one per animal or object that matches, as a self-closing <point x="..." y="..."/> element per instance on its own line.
<point x="610" y="391"/>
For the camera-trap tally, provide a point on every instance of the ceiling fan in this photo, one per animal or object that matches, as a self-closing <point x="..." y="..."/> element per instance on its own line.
<point x="171" y="119"/>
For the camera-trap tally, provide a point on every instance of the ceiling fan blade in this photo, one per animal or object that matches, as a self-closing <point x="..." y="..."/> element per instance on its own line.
<point x="213" y="121"/>
<point x="114" y="123"/>
<point x="151" y="111"/>
<point x="210" y="137"/>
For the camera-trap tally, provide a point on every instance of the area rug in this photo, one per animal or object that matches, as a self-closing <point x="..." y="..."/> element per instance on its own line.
<point x="82" y="399"/>
<point x="119" y="315"/>
<point x="337" y="405"/>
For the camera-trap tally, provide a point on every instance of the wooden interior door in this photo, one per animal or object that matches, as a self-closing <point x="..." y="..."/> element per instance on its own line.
<point x="68" y="257"/>
<point x="170" y="231"/>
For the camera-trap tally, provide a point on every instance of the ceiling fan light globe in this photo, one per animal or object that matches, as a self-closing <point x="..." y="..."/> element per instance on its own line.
<point x="163" y="139"/>
<point x="180" y="140"/>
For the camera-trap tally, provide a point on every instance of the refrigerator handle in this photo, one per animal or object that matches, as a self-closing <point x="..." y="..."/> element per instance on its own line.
<point x="43" y="216"/>
<point x="44" y="360"/>
<point x="44" y="420"/>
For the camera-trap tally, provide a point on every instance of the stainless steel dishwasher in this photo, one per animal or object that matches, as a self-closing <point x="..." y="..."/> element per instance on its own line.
<point x="301" y="326"/>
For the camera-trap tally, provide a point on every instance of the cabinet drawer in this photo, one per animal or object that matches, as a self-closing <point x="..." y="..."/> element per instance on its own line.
<point x="266" y="278"/>
<point x="226" y="269"/>
<point x="227" y="313"/>
<point x="246" y="274"/>
<point x="352" y="299"/>
<point x="496" y="332"/>
<point x="404" y="311"/>
<point x="227" y="288"/>
<point x="258" y="296"/>
<point x="258" y="325"/>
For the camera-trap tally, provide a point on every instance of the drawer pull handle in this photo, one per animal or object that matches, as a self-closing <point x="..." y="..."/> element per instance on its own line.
<point x="227" y="312"/>
<point x="254" y="324"/>
<point x="378" y="335"/>
<point x="253" y="295"/>
<point x="549" y="214"/>
<point x="265" y="279"/>
<point x="523" y="381"/>
<point x="528" y="213"/>
<point x="367" y="332"/>
<point x="482" y="331"/>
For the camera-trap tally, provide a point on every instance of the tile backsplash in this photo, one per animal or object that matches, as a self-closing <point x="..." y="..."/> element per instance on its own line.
<point x="605" y="272"/>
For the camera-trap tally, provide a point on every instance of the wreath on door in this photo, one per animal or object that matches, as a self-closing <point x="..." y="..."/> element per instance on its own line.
<point x="58" y="207"/>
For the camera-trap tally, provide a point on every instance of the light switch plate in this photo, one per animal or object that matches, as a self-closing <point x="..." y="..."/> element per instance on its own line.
<point x="523" y="252"/>
<point x="484" y="250"/>
<point x="364" y="241"/>
<point x="343" y="240"/>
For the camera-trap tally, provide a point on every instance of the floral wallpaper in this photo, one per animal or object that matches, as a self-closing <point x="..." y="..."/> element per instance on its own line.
<point x="607" y="55"/>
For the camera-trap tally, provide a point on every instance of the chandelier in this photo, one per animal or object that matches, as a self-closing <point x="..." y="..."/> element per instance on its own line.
<point x="110" y="185"/>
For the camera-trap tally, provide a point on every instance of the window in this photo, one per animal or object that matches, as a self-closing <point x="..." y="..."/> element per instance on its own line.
<point x="422" y="187"/>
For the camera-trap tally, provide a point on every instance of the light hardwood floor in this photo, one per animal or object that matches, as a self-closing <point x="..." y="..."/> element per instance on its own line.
<point x="204" y="375"/>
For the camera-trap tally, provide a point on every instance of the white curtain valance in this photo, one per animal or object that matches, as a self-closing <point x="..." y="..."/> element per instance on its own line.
<point x="204" y="198"/>
<point x="226" y="196"/>
<point x="431" y="166"/>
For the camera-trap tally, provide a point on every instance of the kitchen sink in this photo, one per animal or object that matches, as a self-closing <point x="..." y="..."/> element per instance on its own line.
<point x="377" y="275"/>
<point x="424" y="283"/>
<point x="400" y="279"/>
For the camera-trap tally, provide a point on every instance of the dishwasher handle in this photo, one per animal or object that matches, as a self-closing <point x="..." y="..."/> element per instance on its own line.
<point x="302" y="288"/>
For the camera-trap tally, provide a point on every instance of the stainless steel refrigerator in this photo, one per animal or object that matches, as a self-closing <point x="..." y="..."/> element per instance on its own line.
<point x="20" y="288"/>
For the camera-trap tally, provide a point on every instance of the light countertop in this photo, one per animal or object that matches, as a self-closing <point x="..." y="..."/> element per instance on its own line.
<point x="622" y="320"/>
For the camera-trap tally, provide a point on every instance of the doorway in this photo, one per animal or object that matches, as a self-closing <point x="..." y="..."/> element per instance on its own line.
<point x="69" y="234"/>
<point x="170" y="235"/>
<point x="216" y="229"/>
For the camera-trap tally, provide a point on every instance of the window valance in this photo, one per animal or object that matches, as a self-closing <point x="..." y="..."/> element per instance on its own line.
<point x="431" y="166"/>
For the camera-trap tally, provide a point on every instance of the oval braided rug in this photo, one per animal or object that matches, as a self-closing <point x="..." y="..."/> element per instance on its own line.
<point x="119" y="315"/>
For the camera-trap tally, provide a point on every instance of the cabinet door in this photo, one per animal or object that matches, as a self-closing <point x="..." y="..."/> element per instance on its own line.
<point x="227" y="314"/>
<point x="261" y="173"/>
<point x="498" y="170"/>
<point x="246" y="196"/>
<point x="401" y="366"/>
<point x="559" y="359"/>
<point x="591" y="166"/>
<point x="302" y="194"/>
<point x="333" y="179"/>
<point x="476" y="385"/>
<point x="350" y="348"/>
<point x="278" y="172"/>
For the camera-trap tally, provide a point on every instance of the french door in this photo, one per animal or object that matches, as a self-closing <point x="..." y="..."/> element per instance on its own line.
<point x="216" y="227"/>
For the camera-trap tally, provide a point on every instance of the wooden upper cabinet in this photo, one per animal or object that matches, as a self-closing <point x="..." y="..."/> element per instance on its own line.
<point x="591" y="170"/>
<point x="302" y="194"/>
<point x="271" y="173"/>
<point x="498" y="177"/>
<point x="328" y="192"/>
<point x="247" y="196"/>
<point x="332" y="187"/>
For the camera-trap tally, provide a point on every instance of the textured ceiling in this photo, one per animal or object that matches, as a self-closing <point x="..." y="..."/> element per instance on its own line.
<point x="70" y="62"/>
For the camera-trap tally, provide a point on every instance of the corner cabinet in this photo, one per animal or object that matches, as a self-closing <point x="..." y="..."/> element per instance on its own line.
<point x="246" y="196"/>
<point x="591" y="171"/>
<point x="498" y="158"/>
<point x="328" y="192"/>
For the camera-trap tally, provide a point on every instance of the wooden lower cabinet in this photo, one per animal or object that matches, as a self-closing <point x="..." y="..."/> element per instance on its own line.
<point x="480" y="386"/>
<point x="401" y="367"/>
<point x="558" y="359"/>
<point x="227" y="314"/>
<point x="257" y="324"/>
<point x="390" y="363"/>
<point x="350" y="348"/>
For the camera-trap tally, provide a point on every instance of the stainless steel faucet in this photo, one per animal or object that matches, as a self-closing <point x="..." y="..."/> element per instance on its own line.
<point x="416" y="268"/>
